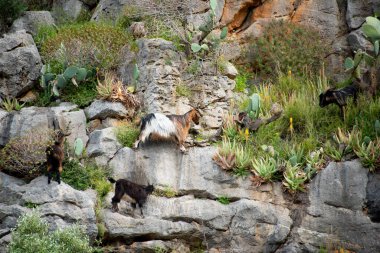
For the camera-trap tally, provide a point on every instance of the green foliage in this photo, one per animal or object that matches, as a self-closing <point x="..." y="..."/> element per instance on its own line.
<point x="24" y="156"/>
<point x="81" y="95"/>
<point x="9" y="104"/>
<point x="294" y="178"/>
<point x="369" y="154"/>
<point x="223" y="200"/>
<point x="265" y="168"/>
<point x="85" y="176"/>
<point x="254" y="106"/>
<point x="165" y="191"/>
<point x="10" y="10"/>
<point x="30" y="205"/>
<point x="183" y="90"/>
<point x="38" y="5"/>
<point x="43" y="33"/>
<point x="127" y="134"/>
<point x="86" y="44"/>
<point x="32" y="235"/>
<point x="287" y="46"/>
<point x="371" y="29"/>
<point x="241" y="80"/>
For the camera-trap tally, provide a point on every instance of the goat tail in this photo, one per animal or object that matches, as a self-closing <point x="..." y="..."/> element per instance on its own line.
<point x="149" y="189"/>
<point x="111" y="180"/>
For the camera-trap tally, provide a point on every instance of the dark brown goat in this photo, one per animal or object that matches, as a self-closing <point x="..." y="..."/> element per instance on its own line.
<point x="54" y="156"/>
<point x="136" y="193"/>
<point x="338" y="97"/>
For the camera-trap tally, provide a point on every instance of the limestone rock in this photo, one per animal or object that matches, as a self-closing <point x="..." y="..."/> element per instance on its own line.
<point x="103" y="145"/>
<point x="60" y="205"/>
<point x="70" y="8"/>
<point x="31" y="20"/>
<point x="194" y="173"/>
<point x="357" y="11"/>
<point x="127" y="228"/>
<point x="75" y="123"/>
<point x="20" y="64"/>
<point x="229" y="70"/>
<point x="356" y="40"/>
<point x="337" y="196"/>
<point x="109" y="9"/>
<point x="22" y="122"/>
<point x="101" y="109"/>
<point x="199" y="19"/>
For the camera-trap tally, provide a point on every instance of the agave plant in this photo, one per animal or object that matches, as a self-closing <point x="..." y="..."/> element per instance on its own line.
<point x="225" y="157"/>
<point x="294" y="178"/>
<point x="265" y="168"/>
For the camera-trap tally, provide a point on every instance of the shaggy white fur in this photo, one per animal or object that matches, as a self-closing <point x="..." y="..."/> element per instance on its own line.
<point x="161" y="125"/>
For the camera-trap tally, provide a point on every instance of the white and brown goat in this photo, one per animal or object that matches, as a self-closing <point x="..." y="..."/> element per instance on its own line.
<point x="158" y="125"/>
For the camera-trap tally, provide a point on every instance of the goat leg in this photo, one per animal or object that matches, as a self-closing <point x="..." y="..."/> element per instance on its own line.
<point x="49" y="175"/>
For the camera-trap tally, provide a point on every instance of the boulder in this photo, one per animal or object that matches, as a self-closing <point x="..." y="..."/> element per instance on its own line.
<point x="31" y="20"/>
<point x="101" y="109"/>
<point x="127" y="228"/>
<point x="356" y="40"/>
<point x="20" y="64"/>
<point x="357" y="11"/>
<point x="60" y="205"/>
<point x="68" y="8"/>
<point x="109" y="9"/>
<point x="197" y="20"/>
<point x="103" y="145"/>
<point x="22" y="122"/>
<point x="75" y="123"/>
<point x="335" y="215"/>
<point x="228" y="69"/>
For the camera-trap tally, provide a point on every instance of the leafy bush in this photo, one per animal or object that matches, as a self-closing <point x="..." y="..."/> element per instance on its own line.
<point x="39" y="5"/>
<point x="286" y="46"/>
<point x="24" y="156"/>
<point x="81" y="95"/>
<point x="127" y="134"/>
<point x="165" y="191"/>
<point x="88" y="44"/>
<point x="85" y="176"/>
<point x="10" y="10"/>
<point x="223" y="200"/>
<point x="32" y="235"/>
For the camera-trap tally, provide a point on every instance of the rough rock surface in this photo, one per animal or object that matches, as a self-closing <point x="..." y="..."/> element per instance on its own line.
<point x="103" y="145"/>
<point x="163" y="71"/>
<point x="70" y="8"/>
<point x="27" y="119"/>
<point x="20" y="64"/>
<point x="335" y="216"/>
<point x="66" y="116"/>
<point x="31" y="20"/>
<point x="60" y="205"/>
<point x="101" y="109"/>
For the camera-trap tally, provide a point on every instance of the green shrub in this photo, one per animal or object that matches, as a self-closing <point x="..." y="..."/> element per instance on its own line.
<point x="81" y="95"/>
<point x="165" y="191"/>
<point x="39" y="5"/>
<point x="287" y="47"/>
<point x="223" y="200"/>
<point x="25" y="156"/>
<point x="32" y="235"/>
<point x="183" y="90"/>
<point x="43" y="33"/>
<point x="87" y="44"/>
<point x="127" y="134"/>
<point x="10" y="10"/>
<point x="85" y="176"/>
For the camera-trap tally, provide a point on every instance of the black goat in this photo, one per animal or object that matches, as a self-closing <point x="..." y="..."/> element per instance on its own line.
<point x="338" y="97"/>
<point x="55" y="155"/>
<point x="136" y="193"/>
